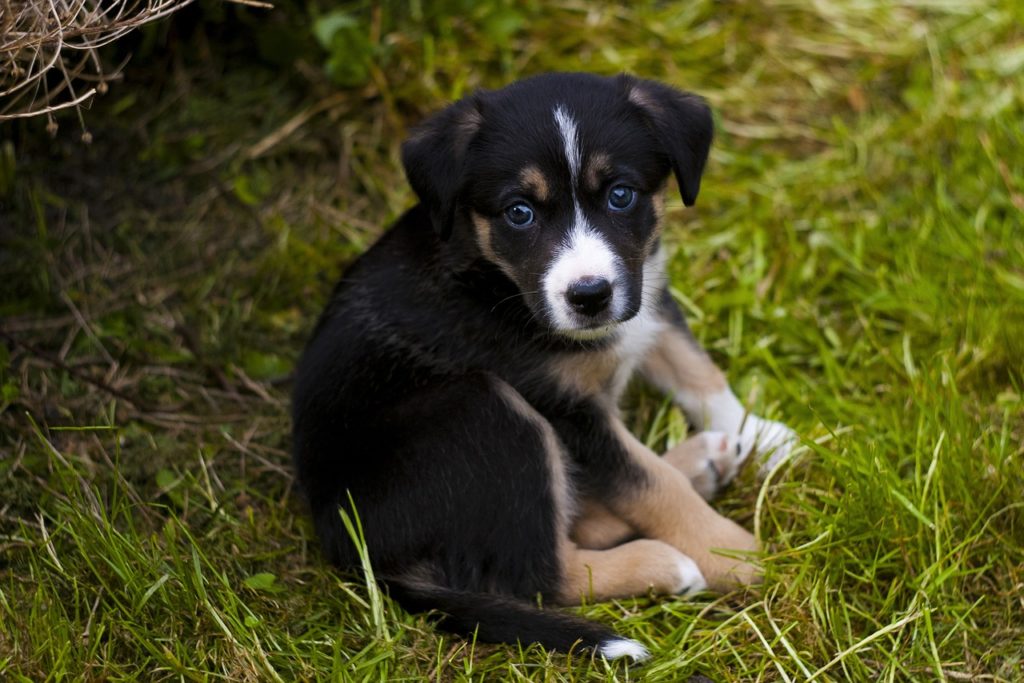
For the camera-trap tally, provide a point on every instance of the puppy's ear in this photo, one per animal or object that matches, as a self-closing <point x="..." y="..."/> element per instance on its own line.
<point x="681" y="121"/>
<point x="434" y="159"/>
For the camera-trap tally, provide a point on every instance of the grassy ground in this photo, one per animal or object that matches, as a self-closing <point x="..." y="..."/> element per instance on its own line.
<point x="856" y="261"/>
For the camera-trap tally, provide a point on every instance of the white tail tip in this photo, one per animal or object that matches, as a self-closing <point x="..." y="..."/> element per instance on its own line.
<point x="623" y="647"/>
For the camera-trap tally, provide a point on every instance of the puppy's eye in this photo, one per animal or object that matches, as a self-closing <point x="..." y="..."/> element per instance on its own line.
<point x="621" y="197"/>
<point x="519" y="215"/>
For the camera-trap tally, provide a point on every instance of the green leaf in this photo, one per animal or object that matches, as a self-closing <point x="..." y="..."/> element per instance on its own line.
<point x="327" y="26"/>
<point x="259" y="365"/>
<point x="502" y="23"/>
<point x="166" y="479"/>
<point x="264" y="582"/>
<point x="168" y="482"/>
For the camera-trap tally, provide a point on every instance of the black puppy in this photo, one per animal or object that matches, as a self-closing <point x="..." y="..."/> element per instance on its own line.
<point x="462" y="383"/>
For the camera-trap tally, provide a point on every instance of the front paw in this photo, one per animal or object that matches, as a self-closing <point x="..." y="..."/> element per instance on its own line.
<point x="772" y="440"/>
<point x="710" y="460"/>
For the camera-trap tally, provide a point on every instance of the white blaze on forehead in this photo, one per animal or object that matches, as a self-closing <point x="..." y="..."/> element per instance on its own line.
<point x="570" y="141"/>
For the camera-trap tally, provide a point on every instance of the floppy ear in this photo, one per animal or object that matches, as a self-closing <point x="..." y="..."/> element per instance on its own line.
<point x="434" y="159"/>
<point x="681" y="121"/>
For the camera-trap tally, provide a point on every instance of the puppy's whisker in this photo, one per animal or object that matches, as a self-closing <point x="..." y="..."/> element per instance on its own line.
<point x="517" y="295"/>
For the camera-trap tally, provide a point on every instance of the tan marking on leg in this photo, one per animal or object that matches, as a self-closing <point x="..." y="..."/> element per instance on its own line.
<point x="628" y="570"/>
<point x="666" y="507"/>
<point x="677" y="363"/>
<point x="599" y="166"/>
<point x="680" y="367"/>
<point x="534" y="181"/>
<point x="561" y="487"/>
<point x="597" y="528"/>
<point x="482" y="228"/>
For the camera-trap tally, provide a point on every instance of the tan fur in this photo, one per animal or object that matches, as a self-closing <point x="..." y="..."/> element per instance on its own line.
<point x="534" y="181"/>
<point x="587" y="374"/>
<point x="627" y="570"/>
<point x="658" y="203"/>
<point x="598" y="165"/>
<point x="597" y="528"/>
<point x="676" y="363"/>
<point x="658" y="200"/>
<point x="666" y="507"/>
<point x="482" y="227"/>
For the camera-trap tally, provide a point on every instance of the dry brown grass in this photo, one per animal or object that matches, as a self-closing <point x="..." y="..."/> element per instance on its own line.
<point x="48" y="50"/>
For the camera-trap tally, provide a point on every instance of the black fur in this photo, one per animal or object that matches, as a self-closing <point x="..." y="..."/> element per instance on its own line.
<point x="398" y="399"/>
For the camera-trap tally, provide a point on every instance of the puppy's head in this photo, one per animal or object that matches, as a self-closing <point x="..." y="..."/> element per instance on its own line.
<point x="556" y="181"/>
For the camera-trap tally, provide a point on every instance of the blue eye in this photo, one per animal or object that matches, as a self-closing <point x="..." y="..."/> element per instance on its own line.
<point x="621" y="198"/>
<point x="519" y="215"/>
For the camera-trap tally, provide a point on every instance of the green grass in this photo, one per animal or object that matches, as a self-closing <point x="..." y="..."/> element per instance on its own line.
<point x="856" y="261"/>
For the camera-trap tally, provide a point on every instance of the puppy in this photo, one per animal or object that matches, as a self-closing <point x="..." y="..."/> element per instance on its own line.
<point x="461" y="385"/>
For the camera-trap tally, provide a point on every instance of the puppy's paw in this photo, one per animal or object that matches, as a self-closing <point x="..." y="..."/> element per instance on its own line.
<point x="709" y="460"/>
<point x="690" y="578"/>
<point x="772" y="440"/>
<point x="670" y="571"/>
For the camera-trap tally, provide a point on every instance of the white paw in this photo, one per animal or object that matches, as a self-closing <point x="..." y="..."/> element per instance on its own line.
<point x="716" y="463"/>
<point x="691" y="580"/>
<point x="623" y="647"/>
<point x="772" y="440"/>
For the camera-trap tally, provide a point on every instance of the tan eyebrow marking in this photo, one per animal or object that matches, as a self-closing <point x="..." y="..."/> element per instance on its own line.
<point x="599" y="164"/>
<point x="535" y="181"/>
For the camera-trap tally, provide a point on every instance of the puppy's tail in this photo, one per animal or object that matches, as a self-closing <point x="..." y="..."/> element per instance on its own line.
<point x="498" y="619"/>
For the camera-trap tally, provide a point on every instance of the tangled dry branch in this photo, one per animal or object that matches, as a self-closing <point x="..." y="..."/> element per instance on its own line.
<point x="48" y="49"/>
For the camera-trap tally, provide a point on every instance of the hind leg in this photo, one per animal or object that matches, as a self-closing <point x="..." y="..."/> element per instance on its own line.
<point x="628" y="570"/>
<point x="453" y="485"/>
<point x="709" y="460"/>
<point x="666" y="506"/>
<point x="598" y="528"/>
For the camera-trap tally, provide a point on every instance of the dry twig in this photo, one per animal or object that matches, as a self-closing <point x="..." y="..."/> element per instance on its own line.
<point x="48" y="50"/>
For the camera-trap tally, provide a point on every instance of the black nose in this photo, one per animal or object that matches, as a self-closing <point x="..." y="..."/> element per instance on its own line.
<point x="589" y="295"/>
